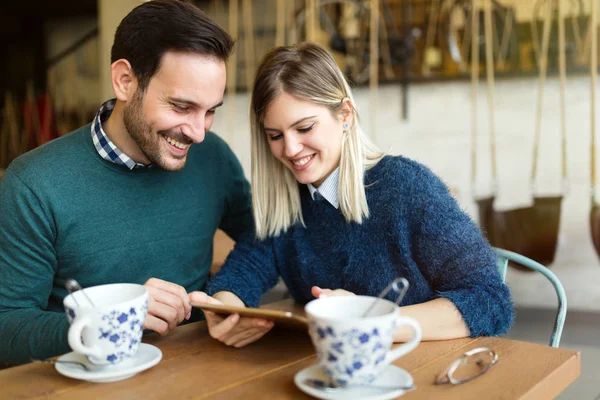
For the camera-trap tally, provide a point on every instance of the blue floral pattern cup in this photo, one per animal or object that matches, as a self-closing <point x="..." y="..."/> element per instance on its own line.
<point x="111" y="330"/>
<point x="352" y="349"/>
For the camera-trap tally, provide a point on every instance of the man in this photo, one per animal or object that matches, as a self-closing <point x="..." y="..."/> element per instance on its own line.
<point x="136" y="196"/>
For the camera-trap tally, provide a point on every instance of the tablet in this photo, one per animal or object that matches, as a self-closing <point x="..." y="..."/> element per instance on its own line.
<point x="277" y="316"/>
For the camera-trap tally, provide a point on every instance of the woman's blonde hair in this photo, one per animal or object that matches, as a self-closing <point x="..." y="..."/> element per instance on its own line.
<point x="308" y="72"/>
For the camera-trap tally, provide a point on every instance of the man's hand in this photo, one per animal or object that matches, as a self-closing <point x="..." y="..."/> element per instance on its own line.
<point x="232" y="330"/>
<point x="322" y="293"/>
<point x="168" y="305"/>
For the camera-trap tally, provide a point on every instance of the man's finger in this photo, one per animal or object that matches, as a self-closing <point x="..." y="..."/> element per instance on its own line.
<point x="174" y="289"/>
<point x="156" y="324"/>
<point x="164" y="312"/>
<point x="169" y="300"/>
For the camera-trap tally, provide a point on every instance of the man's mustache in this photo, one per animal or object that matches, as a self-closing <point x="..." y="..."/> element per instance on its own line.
<point x="177" y="136"/>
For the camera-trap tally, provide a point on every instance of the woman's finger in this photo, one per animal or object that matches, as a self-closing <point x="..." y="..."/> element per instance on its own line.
<point x="247" y="336"/>
<point x="251" y="339"/>
<point x="220" y="331"/>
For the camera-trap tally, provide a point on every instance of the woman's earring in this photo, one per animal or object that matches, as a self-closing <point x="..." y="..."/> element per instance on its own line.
<point x="346" y="126"/>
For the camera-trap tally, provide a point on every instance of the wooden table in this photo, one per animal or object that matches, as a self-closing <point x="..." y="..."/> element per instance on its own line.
<point x="196" y="366"/>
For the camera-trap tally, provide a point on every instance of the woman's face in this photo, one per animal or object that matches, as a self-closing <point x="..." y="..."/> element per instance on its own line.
<point x="305" y="136"/>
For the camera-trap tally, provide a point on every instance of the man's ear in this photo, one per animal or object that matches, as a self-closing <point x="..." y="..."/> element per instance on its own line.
<point x="123" y="80"/>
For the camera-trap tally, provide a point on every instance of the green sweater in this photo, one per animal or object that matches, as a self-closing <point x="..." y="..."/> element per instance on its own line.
<point x="67" y="213"/>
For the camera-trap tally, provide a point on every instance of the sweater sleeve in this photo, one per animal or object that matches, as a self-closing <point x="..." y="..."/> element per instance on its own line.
<point x="457" y="260"/>
<point x="249" y="270"/>
<point x="27" y="267"/>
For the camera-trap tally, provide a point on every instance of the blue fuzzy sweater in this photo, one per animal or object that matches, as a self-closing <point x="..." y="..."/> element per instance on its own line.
<point x="416" y="230"/>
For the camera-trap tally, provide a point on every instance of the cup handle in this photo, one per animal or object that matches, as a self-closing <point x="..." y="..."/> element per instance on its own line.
<point x="408" y="346"/>
<point x="75" y="330"/>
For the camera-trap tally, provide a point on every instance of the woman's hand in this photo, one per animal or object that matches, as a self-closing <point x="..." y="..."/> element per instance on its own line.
<point x="322" y="293"/>
<point x="232" y="330"/>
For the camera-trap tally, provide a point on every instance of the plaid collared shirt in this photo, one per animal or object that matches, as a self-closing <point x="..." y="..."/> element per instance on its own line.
<point x="103" y="144"/>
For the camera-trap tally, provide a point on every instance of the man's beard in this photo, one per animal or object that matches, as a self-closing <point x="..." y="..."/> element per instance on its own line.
<point x="147" y="140"/>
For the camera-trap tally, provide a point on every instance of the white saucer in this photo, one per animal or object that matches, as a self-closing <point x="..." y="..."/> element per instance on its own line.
<point x="391" y="376"/>
<point x="147" y="356"/>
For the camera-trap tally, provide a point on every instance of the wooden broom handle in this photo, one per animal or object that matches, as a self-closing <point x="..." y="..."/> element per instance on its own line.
<point x="489" y="69"/>
<point x="588" y="37"/>
<point x="562" y="67"/>
<point x="292" y="23"/>
<point x="34" y="118"/>
<point x="431" y="29"/>
<point x="232" y="63"/>
<point x="467" y="37"/>
<point x="385" y="49"/>
<point x="502" y="52"/>
<point x="594" y="78"/>
<point x="474" y="88"/>
<point x="373" y="64"/>
<point x="280" y="28"/>
<point x="13" y="126"/>
<point x="579" y="43"/>
<point x="543" y="64"/>
<point x="250" y="50"/>
<point x="310" y="21"/>
<point x="534" y="32"/>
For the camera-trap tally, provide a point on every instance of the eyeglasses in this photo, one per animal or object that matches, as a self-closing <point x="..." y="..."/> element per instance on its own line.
<point x="468" y="366"/>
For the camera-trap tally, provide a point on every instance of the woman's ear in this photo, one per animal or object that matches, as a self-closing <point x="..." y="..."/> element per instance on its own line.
<point x="123" y="80"/>
<point x="347" y="112"/>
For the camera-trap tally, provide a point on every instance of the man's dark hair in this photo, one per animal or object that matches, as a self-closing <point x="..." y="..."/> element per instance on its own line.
<point x="156" y="27"/>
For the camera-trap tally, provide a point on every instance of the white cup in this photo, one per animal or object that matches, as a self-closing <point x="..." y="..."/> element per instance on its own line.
<point x="352" y="349"/>
<point x="111" y="330"/>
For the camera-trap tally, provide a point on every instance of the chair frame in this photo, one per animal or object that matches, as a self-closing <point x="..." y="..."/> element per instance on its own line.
<point x="504" y="256"/>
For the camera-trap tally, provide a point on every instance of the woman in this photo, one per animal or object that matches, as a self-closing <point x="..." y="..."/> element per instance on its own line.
<point x="334" y="216"/>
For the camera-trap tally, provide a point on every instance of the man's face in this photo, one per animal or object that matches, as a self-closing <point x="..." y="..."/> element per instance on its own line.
<point x="176" y="109"/>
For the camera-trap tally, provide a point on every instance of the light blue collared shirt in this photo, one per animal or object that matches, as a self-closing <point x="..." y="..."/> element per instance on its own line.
<point x="329" y="189"/>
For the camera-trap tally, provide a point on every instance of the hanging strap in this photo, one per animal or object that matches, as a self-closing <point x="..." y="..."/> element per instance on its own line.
<point x="543" y="65"/>
<point x="594" y="78"/>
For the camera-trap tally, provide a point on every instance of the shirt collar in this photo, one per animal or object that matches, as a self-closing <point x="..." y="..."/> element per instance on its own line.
<point x="328" y="189"/>
<point x="104" y="146"/>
